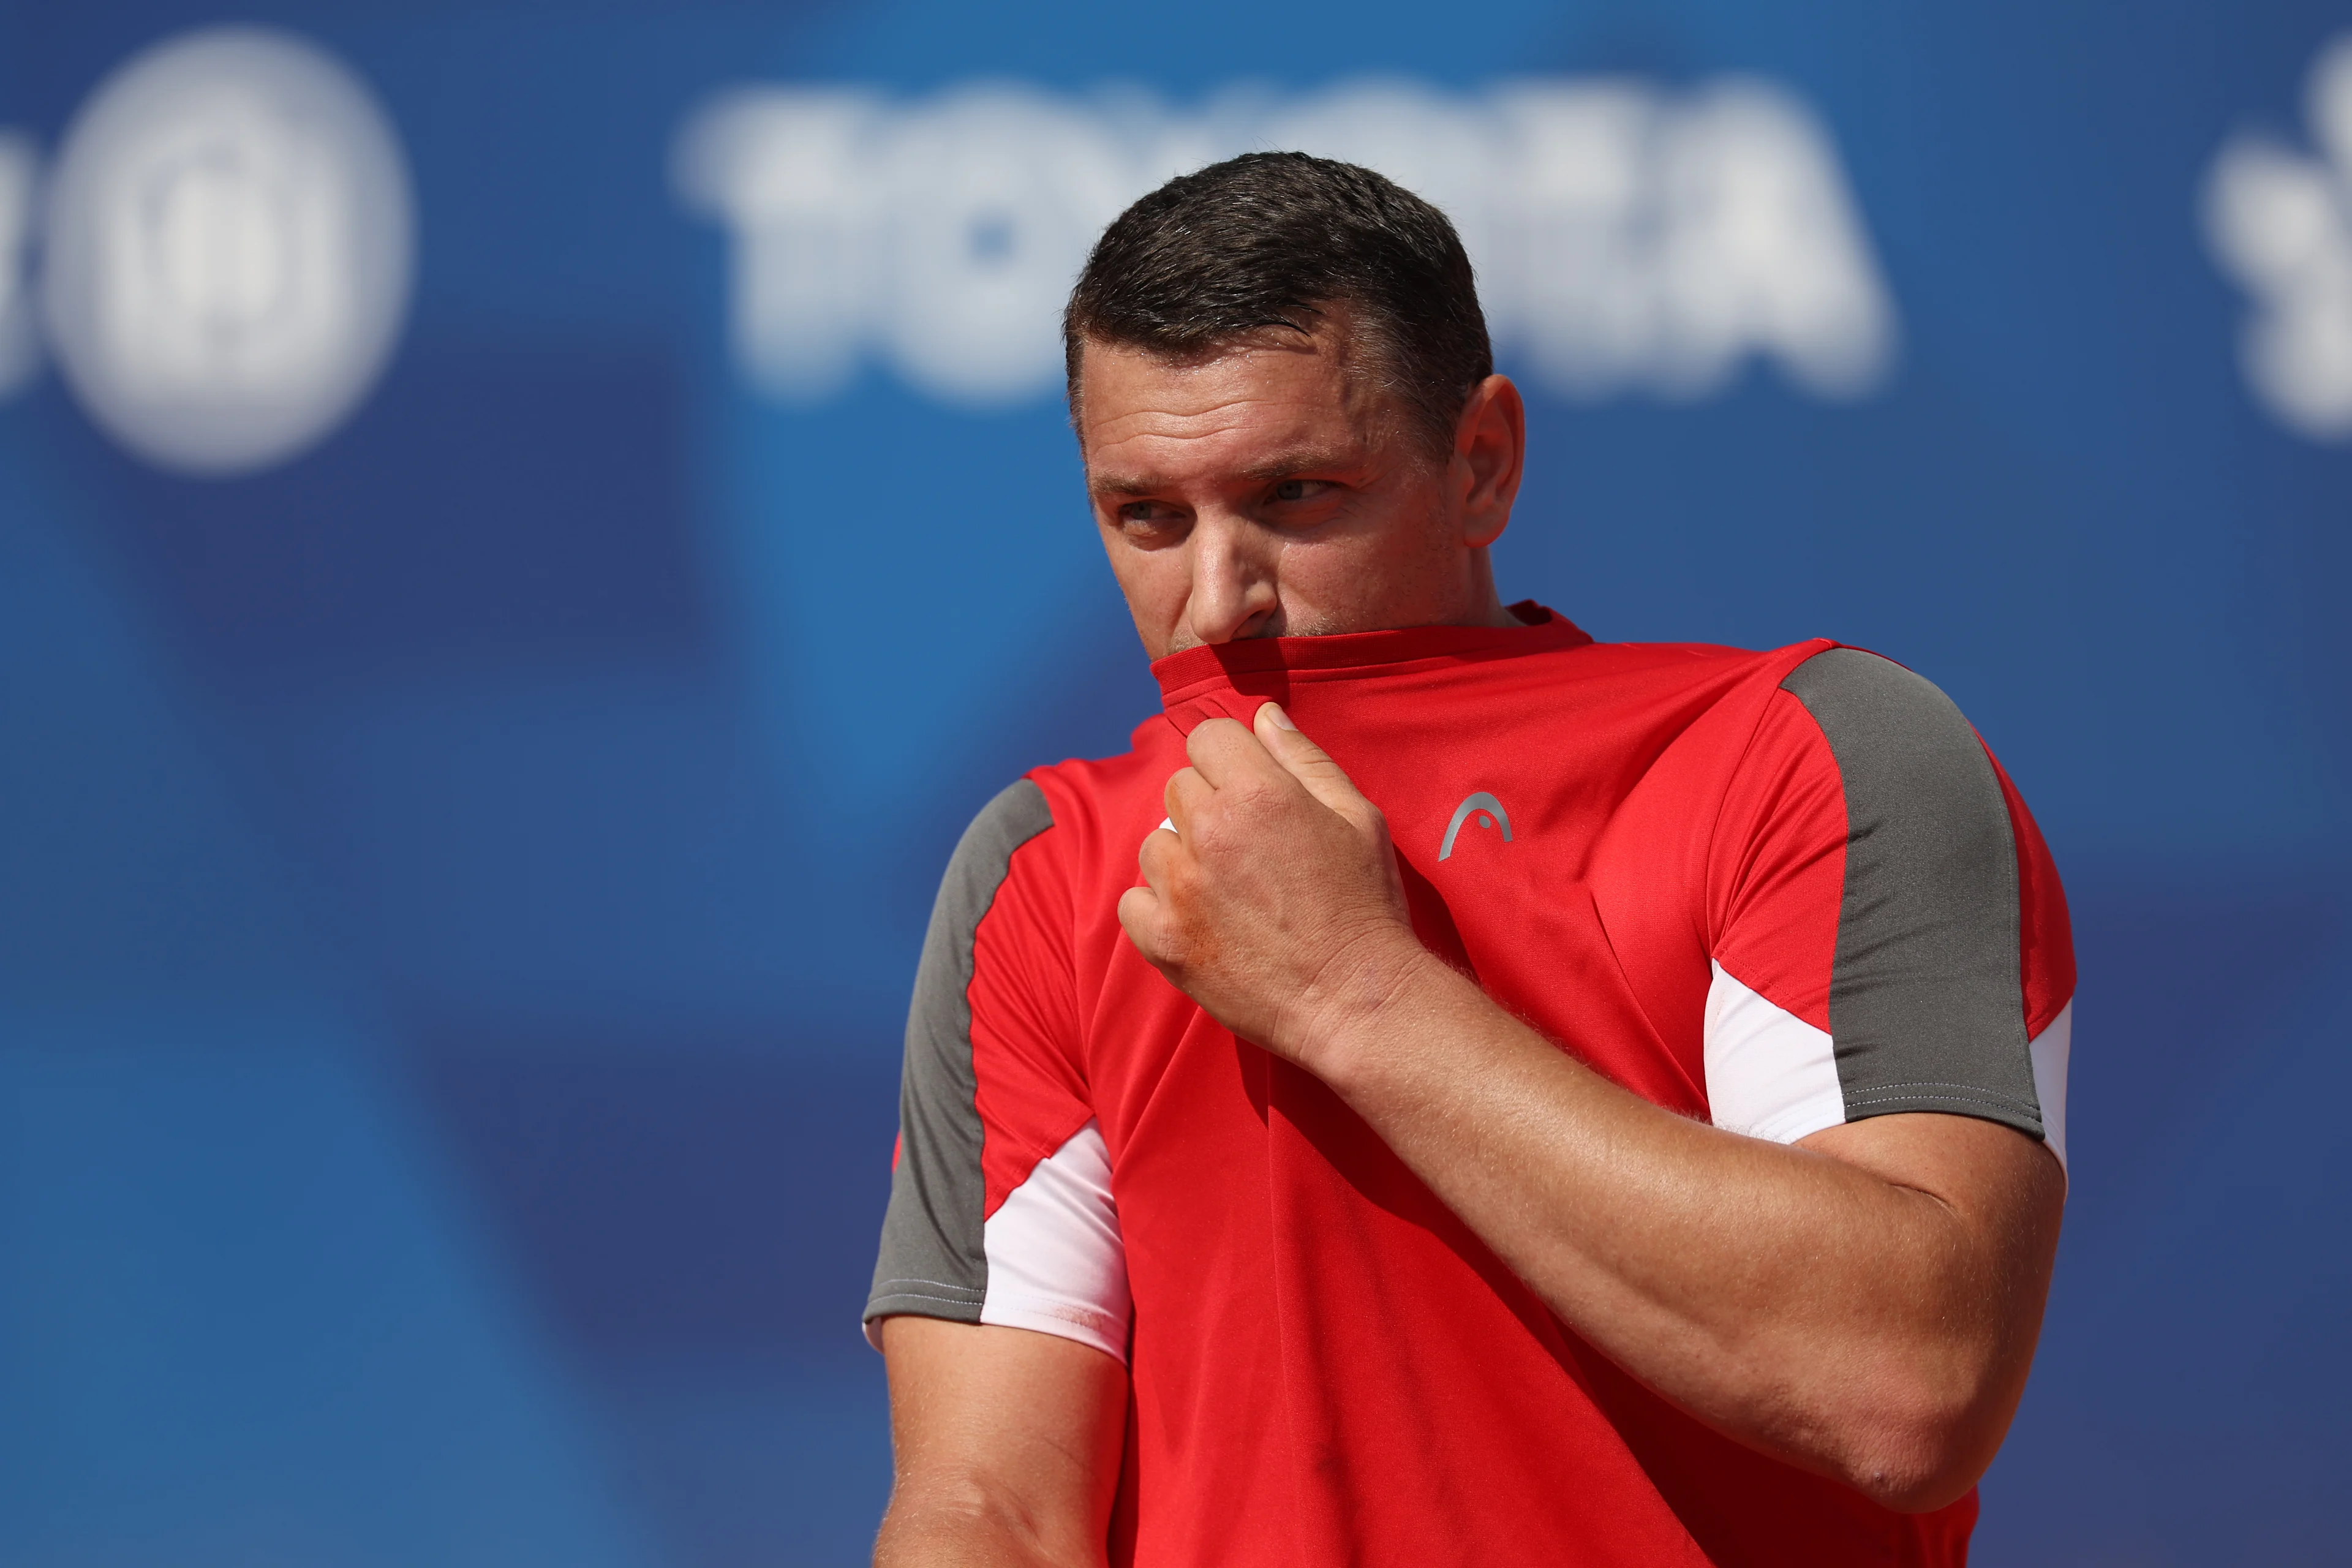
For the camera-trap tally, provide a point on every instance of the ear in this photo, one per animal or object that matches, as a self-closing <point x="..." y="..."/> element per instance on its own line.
<point x="1490" y="449"/>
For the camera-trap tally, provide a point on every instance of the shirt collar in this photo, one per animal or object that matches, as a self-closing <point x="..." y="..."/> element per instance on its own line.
<point x="1222" y="678"/>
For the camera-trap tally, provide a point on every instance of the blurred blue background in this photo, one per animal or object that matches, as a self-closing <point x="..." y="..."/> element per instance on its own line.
<point x="467" y="811"/>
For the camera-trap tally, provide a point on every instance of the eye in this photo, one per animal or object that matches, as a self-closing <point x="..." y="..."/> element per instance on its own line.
<point x="1148" y="517"/>
<point x="1300" y="489"/>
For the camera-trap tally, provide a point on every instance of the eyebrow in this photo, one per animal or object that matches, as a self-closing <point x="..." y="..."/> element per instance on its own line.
<point x="1289" y="465"/>
<point x="1303" y="459"/>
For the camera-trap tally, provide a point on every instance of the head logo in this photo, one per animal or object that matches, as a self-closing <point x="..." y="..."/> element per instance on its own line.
<point x="1486" y="809"/>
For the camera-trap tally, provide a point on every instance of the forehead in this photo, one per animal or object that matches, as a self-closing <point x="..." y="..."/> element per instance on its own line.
<point x="1146" y="414"/>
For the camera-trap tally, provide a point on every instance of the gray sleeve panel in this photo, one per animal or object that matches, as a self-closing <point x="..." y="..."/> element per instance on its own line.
<point x="1926" y="999"/>
<point x="933" y="1262"/>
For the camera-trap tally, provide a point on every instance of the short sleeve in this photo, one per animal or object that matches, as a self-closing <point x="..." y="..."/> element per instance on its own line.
<point x="1889" y="932"/>
<point x="1000" y="1204"/>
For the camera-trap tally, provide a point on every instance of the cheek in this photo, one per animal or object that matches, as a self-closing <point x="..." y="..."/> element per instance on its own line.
<point x="1385" y="576"/>
<point x="1363" y="566"/>
<point x="1156" y="584"/>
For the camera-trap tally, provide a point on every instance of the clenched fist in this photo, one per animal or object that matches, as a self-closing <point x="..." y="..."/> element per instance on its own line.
<point x="1274" y="903"/>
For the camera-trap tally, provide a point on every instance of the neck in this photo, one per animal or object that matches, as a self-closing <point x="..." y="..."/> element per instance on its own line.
<point x="1487" y="605"/>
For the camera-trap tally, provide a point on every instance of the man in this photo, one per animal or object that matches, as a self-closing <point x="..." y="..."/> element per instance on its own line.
<point x="1540" y="1101"/>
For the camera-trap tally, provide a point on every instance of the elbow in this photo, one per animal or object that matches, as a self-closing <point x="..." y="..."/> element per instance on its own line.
<point x="1918" y="1486"/>
<point x="1924" y="1451"/>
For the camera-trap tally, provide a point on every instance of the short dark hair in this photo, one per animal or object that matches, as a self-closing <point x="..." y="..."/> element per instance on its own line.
<point x="1270" y="239"/>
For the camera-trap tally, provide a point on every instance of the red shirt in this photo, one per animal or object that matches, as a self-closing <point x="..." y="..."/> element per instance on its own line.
<point x="1776" y="892"/>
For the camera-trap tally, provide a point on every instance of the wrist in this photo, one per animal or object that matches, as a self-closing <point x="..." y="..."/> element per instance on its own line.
<point x="1343" y="1016"/>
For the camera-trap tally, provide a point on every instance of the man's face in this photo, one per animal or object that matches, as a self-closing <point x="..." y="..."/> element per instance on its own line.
<point x="1269" y="492"/>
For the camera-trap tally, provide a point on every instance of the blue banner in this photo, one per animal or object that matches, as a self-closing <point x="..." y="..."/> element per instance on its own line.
<point x="526" y="532"/>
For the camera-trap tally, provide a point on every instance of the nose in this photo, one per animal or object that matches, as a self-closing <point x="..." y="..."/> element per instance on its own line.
<point x="1233" y="592"/>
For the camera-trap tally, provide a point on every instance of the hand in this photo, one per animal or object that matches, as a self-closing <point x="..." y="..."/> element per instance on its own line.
<point x="1275" y="902"/>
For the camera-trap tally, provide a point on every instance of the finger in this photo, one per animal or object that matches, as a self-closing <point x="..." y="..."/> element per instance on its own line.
<point x="1155" y="854"/>
<point x="1308" y="762"/>
<point x="1186" y="793"/>
<point x="1225" y="751"/>
<point x="1140" y="917"/>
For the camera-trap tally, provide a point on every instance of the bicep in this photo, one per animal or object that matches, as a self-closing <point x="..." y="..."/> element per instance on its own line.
<point x="2004" y="1191"/>
<point x="1003" y="1439"/>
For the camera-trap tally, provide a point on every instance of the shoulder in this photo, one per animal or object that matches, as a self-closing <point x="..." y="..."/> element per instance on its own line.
<point x="983" y="868"/>
<point x="1886" y="888"/>
<point x="1888" y="740"/>
<point x="1862" y="697"/>
<point x="1931" y="819"/>
<point x="1015" y="815"/>
<point x="1900" y="749"/>
<point x="1683" y="680"/>
<point x="1060" y="802"/>
<point x="1092" y="806"/>
<point x="1045" y="835"/>
<point x="1688" y="663"/>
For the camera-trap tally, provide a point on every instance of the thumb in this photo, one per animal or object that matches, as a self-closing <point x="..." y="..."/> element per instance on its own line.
<point x="1309" y="763"/>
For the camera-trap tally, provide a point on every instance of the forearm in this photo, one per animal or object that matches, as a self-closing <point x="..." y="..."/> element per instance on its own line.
<point x="1870" y="1316"/>
<point x="1800" y="1303"/>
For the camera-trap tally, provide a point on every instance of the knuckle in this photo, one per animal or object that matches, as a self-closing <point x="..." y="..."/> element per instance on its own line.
<point x="1208" y="732"/>
<point x="1254" y="794"/>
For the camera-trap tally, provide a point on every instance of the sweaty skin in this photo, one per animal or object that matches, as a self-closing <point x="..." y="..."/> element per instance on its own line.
<point x="1274" y="491"/>
<point x="1863" y="1305"/>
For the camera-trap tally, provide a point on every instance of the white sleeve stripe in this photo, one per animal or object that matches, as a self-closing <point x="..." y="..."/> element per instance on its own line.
<point x="2050" y="1049"/>
<point x="1055" y="1263"/>
<point x="1770" y="1074"/>
<point x="1064" y="1320"/>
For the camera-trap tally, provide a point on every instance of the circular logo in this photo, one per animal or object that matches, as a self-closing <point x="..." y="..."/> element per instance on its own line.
<point x="228" y="249"/>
